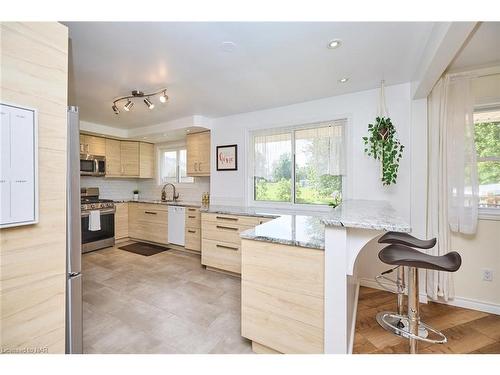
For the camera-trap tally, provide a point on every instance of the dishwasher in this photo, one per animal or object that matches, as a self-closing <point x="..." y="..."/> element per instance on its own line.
<point x="176" y="225"/>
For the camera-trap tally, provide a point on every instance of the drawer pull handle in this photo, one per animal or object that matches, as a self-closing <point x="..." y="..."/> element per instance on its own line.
<point x="191" y="209"/>
<point x="191" y="231"/>
<point x="226" y="218"/>
<point x="228" y="228"/>
<point x="227" y="247"/>
<point x="192" y="217"/>
<point x="150" y="212"/>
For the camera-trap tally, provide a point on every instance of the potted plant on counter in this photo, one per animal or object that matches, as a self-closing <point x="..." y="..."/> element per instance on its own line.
<point x="136" y="195"/>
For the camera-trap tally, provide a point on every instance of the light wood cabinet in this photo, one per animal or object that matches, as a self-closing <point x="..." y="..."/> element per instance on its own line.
<point x="198" y="154"/>
<point x="193" y="229"/>
<point x="146" y="160"/>
<point x="221" y="242"/>
<point x="121" y="220"/>
<point x="113" y="157"/>
<point x="92" y="145"/>
<point x="129" y="159"/>
<point x="148" y="222"/>
<point x="287" y="320"/>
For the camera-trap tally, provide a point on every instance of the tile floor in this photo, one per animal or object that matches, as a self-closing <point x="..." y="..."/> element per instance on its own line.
<point x="164" y="303"/>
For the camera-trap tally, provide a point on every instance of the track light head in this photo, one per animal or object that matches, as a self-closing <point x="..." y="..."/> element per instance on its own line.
<point x="164" y="97"/>
<point x="149" y="103"/>
<point x="128" y="106"/>
<point x="115" y="109"/>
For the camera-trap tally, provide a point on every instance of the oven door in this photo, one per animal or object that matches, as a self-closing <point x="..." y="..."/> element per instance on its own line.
<point x="105" y="237"/>
<point x="87" y="167"/>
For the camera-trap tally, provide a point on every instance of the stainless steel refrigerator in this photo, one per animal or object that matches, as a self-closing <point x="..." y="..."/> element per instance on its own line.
<point x="74" y="321"/>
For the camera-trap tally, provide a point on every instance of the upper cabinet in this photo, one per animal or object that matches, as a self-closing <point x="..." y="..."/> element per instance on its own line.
<point x="92" y="145"/>
<point x="198" y="154"/>
<point x="123" y="158"/>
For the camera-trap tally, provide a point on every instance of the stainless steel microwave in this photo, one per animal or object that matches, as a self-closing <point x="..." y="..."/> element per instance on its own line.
<point x="92" y="165"/>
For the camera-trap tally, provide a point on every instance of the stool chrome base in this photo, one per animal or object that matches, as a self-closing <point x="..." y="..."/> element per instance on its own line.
<point x="399" y="325"/>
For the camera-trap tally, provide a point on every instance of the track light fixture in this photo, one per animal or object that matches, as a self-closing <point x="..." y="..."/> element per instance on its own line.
<point x="139" y="94"/>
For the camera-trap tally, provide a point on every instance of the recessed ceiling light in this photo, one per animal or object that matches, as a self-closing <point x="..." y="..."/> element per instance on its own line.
<point x="335" y="43"/>
<point x="343" y="80"/>
<point x="228" y="46"/>
<point x="187" y="130"/>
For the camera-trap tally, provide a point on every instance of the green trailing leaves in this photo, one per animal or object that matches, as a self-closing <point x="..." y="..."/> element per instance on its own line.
<point x="382" y="144"/>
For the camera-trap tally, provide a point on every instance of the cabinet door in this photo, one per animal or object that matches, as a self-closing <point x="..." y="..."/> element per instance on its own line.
<point x="203" y="165"/>
<point x="129" y="158"/>
<point x="113" y="158"/>
<point x="97" y="145"/>
<point x="146" y="155"/>
<point x="121" y="220"/>
<point x="192" y="154"/>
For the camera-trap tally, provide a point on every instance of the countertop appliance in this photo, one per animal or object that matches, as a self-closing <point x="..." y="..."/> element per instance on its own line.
<point x="176" y="225"/>
<point x="74" y="321"/>
<point x="92" y="165"/>
<point x="105" y="237"/>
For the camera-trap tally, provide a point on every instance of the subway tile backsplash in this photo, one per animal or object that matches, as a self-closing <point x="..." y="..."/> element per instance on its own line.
<point x="121" y="188"/>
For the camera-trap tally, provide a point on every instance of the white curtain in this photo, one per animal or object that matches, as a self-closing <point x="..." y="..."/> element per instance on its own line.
<point x="452" y="172"/>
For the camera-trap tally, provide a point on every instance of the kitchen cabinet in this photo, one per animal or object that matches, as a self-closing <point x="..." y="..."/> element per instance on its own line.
<point x="221" y="242"/>
<point x="129" y="159"/>
<point x="193" y="229"/>
<point x="286" y="320"/>
<point x="121" y="220"/>
<point x="92" y="145"/>
<point x="198" y="154"/>
<point x="148" y="222"/>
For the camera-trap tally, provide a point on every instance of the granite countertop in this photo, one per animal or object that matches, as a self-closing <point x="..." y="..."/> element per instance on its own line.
<point x="367" y="214"/>
<point x="294" y="230"/>
<point x="157" y="201"/>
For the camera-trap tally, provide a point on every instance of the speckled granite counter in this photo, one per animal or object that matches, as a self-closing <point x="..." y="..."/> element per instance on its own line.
<point x="157" y="201"/>
<point x="367" y="214"/>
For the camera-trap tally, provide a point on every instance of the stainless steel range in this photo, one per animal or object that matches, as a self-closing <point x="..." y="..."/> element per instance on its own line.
<point x="104" y="237"/>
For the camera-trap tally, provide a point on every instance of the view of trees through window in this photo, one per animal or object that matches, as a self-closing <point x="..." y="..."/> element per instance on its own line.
<point x="487" y="139"/>
<point x="317" y="166"/>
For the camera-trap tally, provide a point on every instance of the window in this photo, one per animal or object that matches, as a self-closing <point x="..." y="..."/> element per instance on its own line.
<point x="302" y="165"/>
<point x="173" y="166"/>
<point x="487" y="139"/>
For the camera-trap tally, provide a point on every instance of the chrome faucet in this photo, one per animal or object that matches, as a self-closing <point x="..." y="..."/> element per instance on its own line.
<point x="164" y="194"/>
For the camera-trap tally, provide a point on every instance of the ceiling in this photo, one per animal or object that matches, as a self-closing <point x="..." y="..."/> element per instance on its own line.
<point x="273" y="64"/>
<point x="482" y="48"/>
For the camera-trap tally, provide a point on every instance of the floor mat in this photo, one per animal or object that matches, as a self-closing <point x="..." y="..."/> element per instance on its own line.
<point x="143" y="248"/>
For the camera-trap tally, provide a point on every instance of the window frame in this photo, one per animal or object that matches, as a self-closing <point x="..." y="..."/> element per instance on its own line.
<point x="177" y="150"/>
<point x="292" y="129"/>
<point x="487" y="213"/>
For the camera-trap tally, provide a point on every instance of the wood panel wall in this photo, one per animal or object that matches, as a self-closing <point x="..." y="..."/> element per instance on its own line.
<point x="34" y="73"/>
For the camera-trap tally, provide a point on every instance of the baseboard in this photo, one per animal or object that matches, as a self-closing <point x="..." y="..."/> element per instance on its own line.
<point x="353" y="323"/>
<point x="466" y="303"/>
<point x="472" y="304"/>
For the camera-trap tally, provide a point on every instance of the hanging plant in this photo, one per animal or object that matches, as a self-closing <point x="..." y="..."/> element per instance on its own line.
<point x="382" y="144"/>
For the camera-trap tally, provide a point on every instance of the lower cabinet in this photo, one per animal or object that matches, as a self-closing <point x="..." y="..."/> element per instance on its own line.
<point x="121" y="220"/>
<point x="193" y="229"/>
<point x="220" y="239"/>
<point x="148" y="222"/>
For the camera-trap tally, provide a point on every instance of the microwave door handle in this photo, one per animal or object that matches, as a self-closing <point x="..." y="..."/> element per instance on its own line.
<point x="96" y="167"/>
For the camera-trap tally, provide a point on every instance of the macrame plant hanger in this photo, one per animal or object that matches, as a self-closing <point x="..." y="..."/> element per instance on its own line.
<point x="382" y="108"/>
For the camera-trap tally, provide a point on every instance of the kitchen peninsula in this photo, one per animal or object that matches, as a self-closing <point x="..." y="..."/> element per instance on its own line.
<point x="299" y="292"/>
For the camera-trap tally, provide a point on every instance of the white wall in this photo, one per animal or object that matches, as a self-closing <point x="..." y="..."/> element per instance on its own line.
<point x="229" y="187"/>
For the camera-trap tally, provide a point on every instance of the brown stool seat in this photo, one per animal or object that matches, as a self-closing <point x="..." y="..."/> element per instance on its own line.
<point x="406" y="239"/>
<point x="401" y="255"/>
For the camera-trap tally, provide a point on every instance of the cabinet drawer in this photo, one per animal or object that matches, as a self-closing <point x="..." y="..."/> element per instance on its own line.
<point x="226" y="232"/>
<point x="235" y="219"/>
<point x="193" y="219"/>
<point x="149" y="206"/>
<point x="193" y="239"/>
<point x="222" y="255"/>
<point x="153" y="232"/>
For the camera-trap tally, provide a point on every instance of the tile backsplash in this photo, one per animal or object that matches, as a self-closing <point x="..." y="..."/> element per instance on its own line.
<point x="122" y="188"/>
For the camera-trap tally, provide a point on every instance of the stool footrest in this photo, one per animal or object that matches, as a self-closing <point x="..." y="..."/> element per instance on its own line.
<point x="384" y="318"/>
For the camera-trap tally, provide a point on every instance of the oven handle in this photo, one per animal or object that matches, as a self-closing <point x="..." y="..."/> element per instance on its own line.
<point x="107" y="211"/>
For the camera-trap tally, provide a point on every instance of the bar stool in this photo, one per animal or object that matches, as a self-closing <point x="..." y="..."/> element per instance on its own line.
<point x="404" y="256"/>
<point x="408" y="240"/>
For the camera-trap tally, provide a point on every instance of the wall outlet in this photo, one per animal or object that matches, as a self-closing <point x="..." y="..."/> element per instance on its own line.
<point x="487" y="274"/>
